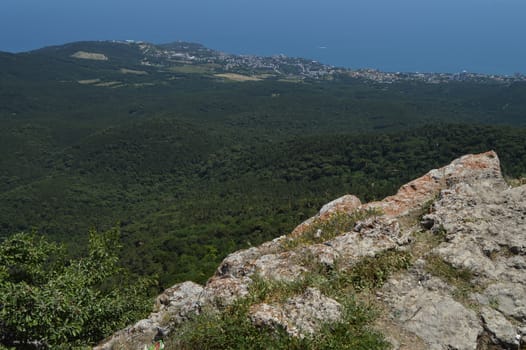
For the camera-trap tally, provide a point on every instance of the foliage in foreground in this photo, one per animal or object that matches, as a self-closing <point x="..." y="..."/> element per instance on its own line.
<point x="51" y="301"/>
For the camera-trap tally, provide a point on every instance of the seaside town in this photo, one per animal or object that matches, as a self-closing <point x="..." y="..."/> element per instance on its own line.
<point x="294" y="68"/>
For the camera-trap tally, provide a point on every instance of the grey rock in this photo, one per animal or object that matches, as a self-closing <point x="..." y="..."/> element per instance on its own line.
<point x="322" y="254"/>
<point x="442" y="322"/>
<point x="282" y="266"/>
<point x="173" y="306"/>
<point x="370" y="237"/>
<point x="240" y="264"/>
<point x="508" y="298"/>
<point x="517" y="262"/>
<point x="432" y="315"/>
<point x="176" y="303"/>
<point x="463" y="252"/>
<point x="347" y="203"/>
<point x="300" y="315"/>
<point x="503" y="331"/>
<point x="222" y="291"/>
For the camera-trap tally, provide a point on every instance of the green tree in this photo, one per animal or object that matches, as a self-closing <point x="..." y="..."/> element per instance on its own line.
<point x="48" y="299"/>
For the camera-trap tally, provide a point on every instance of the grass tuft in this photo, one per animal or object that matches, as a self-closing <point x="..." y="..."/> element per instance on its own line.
<point x="231" y="328"/>
<point x="460" y="278"/>
<point x="323" y="230"/>
<point x="372" y="272"/>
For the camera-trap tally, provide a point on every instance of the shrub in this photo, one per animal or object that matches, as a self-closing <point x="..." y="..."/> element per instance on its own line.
<point x="47" y="300"/>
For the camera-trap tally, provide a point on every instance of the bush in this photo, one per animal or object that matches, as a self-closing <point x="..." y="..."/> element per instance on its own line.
<point x="47" y="300"/>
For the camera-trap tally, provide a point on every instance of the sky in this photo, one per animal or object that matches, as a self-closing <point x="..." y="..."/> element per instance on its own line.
<point x="486" y="36"/>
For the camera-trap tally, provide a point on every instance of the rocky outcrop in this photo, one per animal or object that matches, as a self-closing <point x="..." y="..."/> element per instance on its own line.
<point x="428" y="310"/>
<point x="299" y="315"/>
<point x="465" y="287"/>
<point x="484" y="228"/>
<point x="173" y="306"/>
<point x="347" y="204"/>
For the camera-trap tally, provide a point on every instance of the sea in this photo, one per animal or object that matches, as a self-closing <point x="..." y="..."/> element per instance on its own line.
<point x="484" y="36"/>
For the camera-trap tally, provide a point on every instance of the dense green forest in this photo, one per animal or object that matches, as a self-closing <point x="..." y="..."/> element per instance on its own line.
<point x="176" y="168"/>
<point x="191" y="167"/>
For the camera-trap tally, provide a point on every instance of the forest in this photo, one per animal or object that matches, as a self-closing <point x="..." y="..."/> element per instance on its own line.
<point x="190" y="169"/>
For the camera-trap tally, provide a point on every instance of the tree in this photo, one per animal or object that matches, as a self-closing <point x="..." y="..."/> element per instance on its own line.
<point x="52" y="301"/>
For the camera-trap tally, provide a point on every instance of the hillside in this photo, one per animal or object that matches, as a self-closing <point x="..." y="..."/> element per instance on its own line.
<point x="174" y="156"/>
<point x="192" y="166"/>
<point x="439" y="265"/>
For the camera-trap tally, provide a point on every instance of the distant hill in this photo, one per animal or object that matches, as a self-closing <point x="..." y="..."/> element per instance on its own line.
<point x="186" y="57"/>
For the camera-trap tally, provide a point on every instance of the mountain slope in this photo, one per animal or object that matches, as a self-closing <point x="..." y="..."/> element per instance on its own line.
<point x="152" y="140"/>
<point x="444" y="257"/>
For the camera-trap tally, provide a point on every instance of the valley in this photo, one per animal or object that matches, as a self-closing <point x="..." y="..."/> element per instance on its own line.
<point x="193" y="153"/>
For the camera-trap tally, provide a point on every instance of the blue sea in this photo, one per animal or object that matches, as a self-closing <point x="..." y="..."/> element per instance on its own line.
<point x="485" y="36"/>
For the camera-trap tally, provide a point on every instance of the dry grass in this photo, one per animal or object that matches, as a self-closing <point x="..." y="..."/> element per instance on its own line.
<point x="237" y="77"/>
<point x="133" y="71"/>
<point x="108" y="84"/>
<point x="516" y="182"/>
<point x="90" y="56"/>
<point x="294" y="80"/>
<point x="88" y="81"/>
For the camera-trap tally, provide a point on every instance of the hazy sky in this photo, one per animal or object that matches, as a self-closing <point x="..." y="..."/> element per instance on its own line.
<point x="394" y="35"/>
